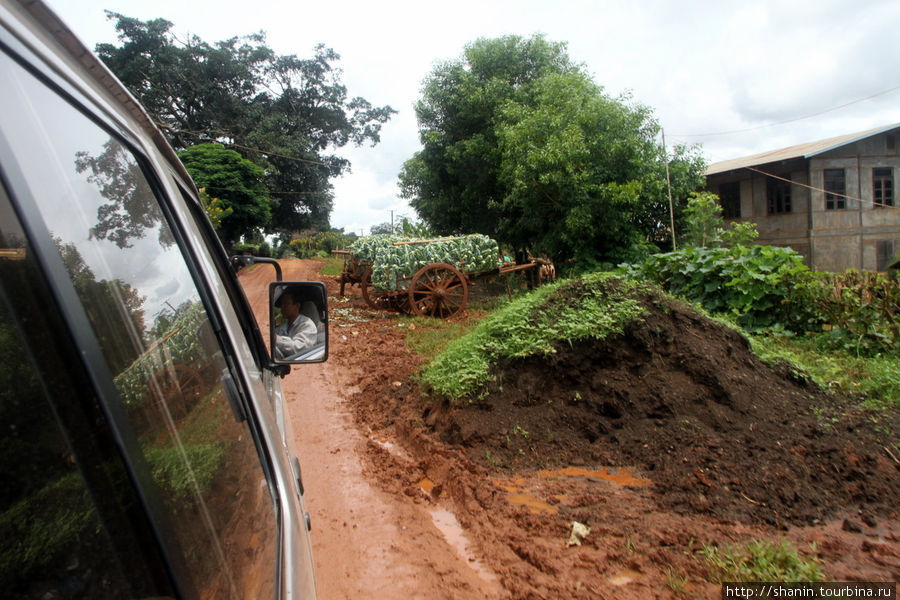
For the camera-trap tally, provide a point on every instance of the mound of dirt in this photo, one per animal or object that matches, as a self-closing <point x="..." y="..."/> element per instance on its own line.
<point x="680" y="400"/>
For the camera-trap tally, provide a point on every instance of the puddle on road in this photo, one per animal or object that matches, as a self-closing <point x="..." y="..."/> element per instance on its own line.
<point x="517" y="495"/>
<point x="615" y="475"/>
<point x="391" y="447"/>
<point x="452" y="531"/>
<point x="427" y="485"/>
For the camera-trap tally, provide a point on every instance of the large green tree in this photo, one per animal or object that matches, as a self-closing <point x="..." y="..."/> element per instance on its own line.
<point x="519" y="143"/>
<point x="285" y="113"/>
<point x="236" y="182"/>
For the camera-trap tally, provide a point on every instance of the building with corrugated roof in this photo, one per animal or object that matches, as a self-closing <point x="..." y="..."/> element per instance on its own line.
<point x="833" y="201"/>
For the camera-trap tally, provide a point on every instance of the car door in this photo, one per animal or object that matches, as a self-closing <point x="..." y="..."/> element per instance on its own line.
<point x="126" y="288"/>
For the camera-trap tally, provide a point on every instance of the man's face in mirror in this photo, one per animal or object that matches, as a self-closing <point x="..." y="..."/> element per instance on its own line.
<point x="290" y="308"/>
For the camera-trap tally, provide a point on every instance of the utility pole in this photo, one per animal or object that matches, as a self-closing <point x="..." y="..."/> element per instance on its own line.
<point x="392" y="221"/>
<point x="669" y="186"/>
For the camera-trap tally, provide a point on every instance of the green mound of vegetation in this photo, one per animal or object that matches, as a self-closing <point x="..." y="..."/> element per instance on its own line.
<point x="592" y="307"/>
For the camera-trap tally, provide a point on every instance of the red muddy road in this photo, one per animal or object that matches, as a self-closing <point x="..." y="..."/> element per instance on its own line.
<point x="367" y="543"/>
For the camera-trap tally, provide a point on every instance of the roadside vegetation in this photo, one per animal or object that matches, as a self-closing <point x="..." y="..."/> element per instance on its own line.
<point x="841" y="330"/>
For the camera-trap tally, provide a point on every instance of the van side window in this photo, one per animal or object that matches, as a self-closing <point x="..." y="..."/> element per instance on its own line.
<point x="67" y="510"/>
<point x="158" y="344"/>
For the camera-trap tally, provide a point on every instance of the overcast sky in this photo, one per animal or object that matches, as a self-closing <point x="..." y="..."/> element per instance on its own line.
<point x="737" y="77"/>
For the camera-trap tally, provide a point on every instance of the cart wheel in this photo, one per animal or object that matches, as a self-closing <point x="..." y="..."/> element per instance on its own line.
<point x="438" y="290"/>
<point x="375" y="299"/>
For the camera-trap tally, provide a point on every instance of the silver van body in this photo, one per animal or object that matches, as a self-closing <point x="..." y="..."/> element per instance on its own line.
<point x="144" y="450"/>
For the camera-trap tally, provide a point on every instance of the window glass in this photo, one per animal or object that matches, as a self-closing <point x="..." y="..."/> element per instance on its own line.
<point x="835" y="189"/>
<point x="155" y="334"/>
<point x="730" y="196"/>
<point x="67" y="517"/>
<point x="882" y="187"/>
<point x="778" y="193"/>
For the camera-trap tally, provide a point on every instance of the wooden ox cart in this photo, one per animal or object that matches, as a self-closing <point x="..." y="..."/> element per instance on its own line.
<point x="427" y="277"/>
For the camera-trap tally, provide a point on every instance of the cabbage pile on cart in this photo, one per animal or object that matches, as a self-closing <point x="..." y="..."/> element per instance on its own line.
<point x="428" y="277"/>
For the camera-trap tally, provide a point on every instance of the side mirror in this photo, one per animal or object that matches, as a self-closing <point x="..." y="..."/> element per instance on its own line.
<point x="298" y="322"/>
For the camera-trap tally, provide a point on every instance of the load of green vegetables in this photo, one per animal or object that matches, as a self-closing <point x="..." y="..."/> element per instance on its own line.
<point x="395" y="259"/>
<point x="180" y="345"/>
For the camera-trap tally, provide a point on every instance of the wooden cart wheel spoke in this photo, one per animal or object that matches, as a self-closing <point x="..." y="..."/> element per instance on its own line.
<point x="454" y="294"/>
<point x="429" y="286"/>
<point x="422" y="299"/>
<point x="455" y="300"/>
<point x="438" y="290"/>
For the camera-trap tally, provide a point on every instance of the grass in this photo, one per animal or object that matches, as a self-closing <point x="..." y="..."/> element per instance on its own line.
<point x="334" y="265"/>
<point x="40" y="526"/>
<point x="175" y="477"/>
<point x="762" y="561"/>
<point x="429" y="337"/>
<point x="595" y="306"/>
<point x="676" y="580"/>
<point x="875" y="380"/>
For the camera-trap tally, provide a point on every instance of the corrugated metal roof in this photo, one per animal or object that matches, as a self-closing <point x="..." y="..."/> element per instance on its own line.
<point x="807" y="150"/>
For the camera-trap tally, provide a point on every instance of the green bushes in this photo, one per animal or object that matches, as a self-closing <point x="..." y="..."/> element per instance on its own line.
<point x="769" y="288"/>
<point x="861" y="311"/>
<point x="250" y="249"/>
<point x="313" y="245"/>
<point x="756" y="284"/>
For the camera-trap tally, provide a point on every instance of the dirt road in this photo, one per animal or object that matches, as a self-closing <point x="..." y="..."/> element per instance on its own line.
<point x="367" y="543"/>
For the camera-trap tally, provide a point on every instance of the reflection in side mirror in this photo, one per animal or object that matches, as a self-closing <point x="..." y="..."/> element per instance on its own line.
<point x="298" y="322"/>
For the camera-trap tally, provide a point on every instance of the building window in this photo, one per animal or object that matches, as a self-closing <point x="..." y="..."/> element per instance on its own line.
<point x="835" y="189"/>
<point x="882" y="187"/>
<point x="730" y="197"/>
<point x="778" y="193"/>
<point x="884" y="254"/>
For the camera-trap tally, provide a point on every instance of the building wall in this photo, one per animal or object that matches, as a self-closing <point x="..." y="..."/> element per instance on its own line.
<point x="860" y="236"/>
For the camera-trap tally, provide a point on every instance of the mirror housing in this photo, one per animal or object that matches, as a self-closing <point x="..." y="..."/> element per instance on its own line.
<point x="305" y="339"/>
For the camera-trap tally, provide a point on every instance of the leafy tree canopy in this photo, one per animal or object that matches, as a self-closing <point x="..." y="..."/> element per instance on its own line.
<point x="520" y="143"/>
<point x="236" y="182"/>
<point x="286" y="114"/>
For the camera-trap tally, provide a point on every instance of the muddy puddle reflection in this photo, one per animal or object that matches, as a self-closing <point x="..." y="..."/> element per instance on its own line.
<point x="518" y="492"/>
<point x="615" y="475"/>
